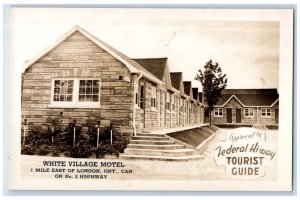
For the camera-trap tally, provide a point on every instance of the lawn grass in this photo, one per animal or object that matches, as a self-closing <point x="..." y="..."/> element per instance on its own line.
<point x="193" y="137"/>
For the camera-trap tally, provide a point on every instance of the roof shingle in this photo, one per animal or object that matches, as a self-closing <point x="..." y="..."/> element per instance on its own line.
<point x="250" y="97"/>
<point x="156" y="66"/>
<point x="176" y="79"/>
<point x="187" y="87"/>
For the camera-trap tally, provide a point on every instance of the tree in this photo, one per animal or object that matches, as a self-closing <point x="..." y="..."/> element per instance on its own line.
<point x="213" y="82"/>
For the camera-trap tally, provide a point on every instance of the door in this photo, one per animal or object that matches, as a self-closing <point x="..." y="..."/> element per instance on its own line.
<point x="229" y="115"/>
<point x="276" y="116"/>
<point x="238" y="115"/>
<point x="158" y="107"/>
<point x="142" y="105"/>
<point x="163" y="107"/>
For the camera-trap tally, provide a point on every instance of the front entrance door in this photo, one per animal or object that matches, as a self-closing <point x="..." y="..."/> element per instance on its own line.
<point x="238" y="115"/>
<point x="276" y="116"/>
<point x="229" y="115"/>
<point x="142" y="105"/>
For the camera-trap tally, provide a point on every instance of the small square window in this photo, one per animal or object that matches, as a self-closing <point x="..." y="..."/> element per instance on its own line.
<point x="88" y="90"/>
<point x="249" y="112"/>
<point x="265" y="112"/>
<point x="63" y="90"/>
<point x="153" y="97"/>
<point x="218" y="112"/>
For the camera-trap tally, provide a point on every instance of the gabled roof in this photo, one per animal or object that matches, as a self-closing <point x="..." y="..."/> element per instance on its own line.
<point x="156" y="66"/>
<point x="133" y="66"/>
<point x="250" y="97"/>
<point x="177" y="83"/>
<point x="176" y="78"/>
<point x="187" y="88"/>
<point x="195" y="94"/>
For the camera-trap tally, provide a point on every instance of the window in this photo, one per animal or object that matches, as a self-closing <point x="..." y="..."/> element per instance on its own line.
<point x="63" y="90"/>
<point x="218" y="112"/>
<point x="153" y="97"/>
<point x="168" y="101"/>
<point x="249" y="112"/>
<point x="76" y="93"/>
<point x="142" y="95"/>
<point x="173" y="102"/>
<point x="88" y="90"/>
<point x="266" y="112"/>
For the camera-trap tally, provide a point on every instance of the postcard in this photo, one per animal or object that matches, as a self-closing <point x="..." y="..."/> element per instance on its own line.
<point x="160" y="99"/>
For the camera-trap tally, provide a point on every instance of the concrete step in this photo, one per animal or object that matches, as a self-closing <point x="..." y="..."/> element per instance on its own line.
<point x="153" y="152"/>
<point x="155" y="146"/>
<point x="161" y="158"/>
<point x="148" y="138"/>
<point x="162" y="142"/>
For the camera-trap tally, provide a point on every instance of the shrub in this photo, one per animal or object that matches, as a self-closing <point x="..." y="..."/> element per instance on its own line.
<point x="36" y="143"/>
<point x="54" y="151"/>
<point x="28" y="149"/>
<point x="85" y="144"/>
<point x="37" y="139"/>
<point x="104" y="135"/>
<point x="81" y="151"/>
<point x="43" y="149"/>
<point x="98" y="151"/>
<point x="120" y="146"/>
<point x="69" y="136"/>
<point x="109" y="149"/>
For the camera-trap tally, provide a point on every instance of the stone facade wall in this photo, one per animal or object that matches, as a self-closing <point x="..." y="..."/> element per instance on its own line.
<point x="78" y="57"/>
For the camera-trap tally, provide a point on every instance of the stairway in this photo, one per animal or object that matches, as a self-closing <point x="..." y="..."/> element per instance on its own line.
<point x="149" y="146"/>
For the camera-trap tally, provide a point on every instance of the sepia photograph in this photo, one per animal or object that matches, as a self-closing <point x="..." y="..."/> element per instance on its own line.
<point x="150" y="99"/>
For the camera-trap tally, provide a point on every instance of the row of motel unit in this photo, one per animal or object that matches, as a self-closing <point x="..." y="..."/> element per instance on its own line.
<point x="247" y="106"/>
<point x="85" y="79"/>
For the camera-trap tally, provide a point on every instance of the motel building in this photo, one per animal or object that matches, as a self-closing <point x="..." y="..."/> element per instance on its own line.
<point x="86" y="79"/>
<point x="246" y="107"/>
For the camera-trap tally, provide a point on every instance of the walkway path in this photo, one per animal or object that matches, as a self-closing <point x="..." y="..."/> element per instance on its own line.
<point x="176" y="129"/>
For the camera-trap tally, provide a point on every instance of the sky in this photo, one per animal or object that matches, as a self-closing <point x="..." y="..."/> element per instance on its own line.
<point x="247" y="50"/>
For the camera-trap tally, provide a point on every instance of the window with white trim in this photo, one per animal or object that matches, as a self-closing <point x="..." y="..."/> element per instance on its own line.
<point x="248" y="112"/>
<point x="63" y="91"/>
<point x="266" y="112"/>
<point x="173" y="102"/>
<point x="218" y="112"/>
<point x="89" y="91"/>
<point x="153" y="97"/>
<point x="75" y="92"/>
